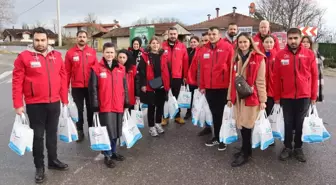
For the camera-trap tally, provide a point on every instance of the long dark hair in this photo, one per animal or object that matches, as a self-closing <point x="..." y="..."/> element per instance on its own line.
<point x="130" y="61"/>
<point x="252" y="47"/>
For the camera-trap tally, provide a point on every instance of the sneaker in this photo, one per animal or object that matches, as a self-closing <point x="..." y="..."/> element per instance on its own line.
<point x="180" y="120"/>
<point x="159" y="128"/>
<point x="221" y="147"/>
<point x="299" y="155"/>
<point x="205" y="131"/>
<point x="153" y="132"/>
<point x="212" y="142"/>
<point x="285" y="154"/>
<point x="164" y="122"/>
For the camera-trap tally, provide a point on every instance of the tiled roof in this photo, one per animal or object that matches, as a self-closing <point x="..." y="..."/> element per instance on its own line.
<point x="17" y="33"/>
<point x="224" y="20"/>
<point x="100" y="27"/>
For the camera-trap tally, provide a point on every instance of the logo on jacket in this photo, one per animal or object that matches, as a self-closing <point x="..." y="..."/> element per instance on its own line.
<point x="103" y="75"/>
<point x="253" y="62"/>
<point x="75" y="58"/>
<point x="52" y="58"/>
<point x="177" y="49"/>
<point x="302" y="56"/>
<point x="35" y="64"/>
<point x="88" y="54"/>
<point x="286" y="56"/>
<point x="219" y="50"/>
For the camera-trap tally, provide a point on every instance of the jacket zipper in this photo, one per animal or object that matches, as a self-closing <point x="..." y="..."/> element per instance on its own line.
<point x="211" y="69"/>
<point x="83" y="61"/>
<point x="47" y="67"/>
<point x="31" y="89"/>
<point x="282" y="88"/>
<point x="299" y="64"/>
<point x="295" y="76"/>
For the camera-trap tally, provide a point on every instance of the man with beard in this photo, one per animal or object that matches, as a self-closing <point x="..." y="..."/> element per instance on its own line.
<point x="39" y="77"/>
<point x="296" y="89"/>
<point x="264" y="29"/>
<point x="78" y="62"/>
<point x="231" y="35"/>
<point x="178" y="65"/>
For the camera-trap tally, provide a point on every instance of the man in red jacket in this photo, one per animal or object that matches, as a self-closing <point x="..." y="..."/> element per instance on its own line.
<point x="231" y="35"/>
<point x="215" y="58"/>
<point x="40" y="78"/>
<point x="295" y="84"/>
<point x="264" y="29"/>
<point x="78" y="61"/>
<point x="177" y="63"/>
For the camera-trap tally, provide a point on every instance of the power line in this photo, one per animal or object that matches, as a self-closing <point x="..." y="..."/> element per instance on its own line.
<point x="31" y="8"/>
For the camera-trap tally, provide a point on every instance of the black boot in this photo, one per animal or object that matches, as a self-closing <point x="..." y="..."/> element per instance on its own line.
<point x="57" y="165"/>
<point x="39" y="175"/>
<point x="109" y="162"/>
<point x="239" y="161"/>
<point x="188" y="114"/>
<point x="118" y="157"/>
<point x="205" y="131"/>
<point x="80" y="136"/>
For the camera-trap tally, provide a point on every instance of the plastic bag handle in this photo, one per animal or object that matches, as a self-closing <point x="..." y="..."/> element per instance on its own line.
<point x="170" y="93"/>
<point x="187" y="88"/>
<point x="262" y="115"/>
<point x="22" y="118"/>
<point x="315" y="113"/>
<point x="96" y="121"/>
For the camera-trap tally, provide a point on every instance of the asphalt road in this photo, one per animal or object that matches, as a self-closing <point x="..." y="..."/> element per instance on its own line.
<point x="177" y="157"/>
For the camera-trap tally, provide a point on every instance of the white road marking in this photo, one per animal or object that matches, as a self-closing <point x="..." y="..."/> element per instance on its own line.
<point x="5" y="74"/>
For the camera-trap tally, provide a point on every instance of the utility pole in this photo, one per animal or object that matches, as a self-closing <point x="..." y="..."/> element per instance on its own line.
<point x="59" y="24"/>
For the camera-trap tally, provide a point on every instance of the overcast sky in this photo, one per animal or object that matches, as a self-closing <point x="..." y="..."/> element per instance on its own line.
<point x="128" y="11"/>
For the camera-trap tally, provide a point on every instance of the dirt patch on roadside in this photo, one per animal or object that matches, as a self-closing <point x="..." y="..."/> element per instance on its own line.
<point x="330" y="72"/>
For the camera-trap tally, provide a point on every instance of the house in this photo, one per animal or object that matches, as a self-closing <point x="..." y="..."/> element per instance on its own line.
<point x="245" y="23"/>
<point x="121" y="36"/>
<point x="71" y="29"/>
<point x="25" y="36"/>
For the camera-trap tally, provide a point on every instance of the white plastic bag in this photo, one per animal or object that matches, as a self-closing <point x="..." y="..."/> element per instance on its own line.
<point x="99" y="137"/>
<point x="197" y="105"/>
<point x="21" y="138"/>
<point x="130" y="132"/>
<point x="266" y="135"/>
<point x="276" y="120"/>
<point x="166" y="110"/>
<point x="184" y="98"/>
<point x="173" y="107"/>
<point x="228" y="132"/>
<point x="64" y="126"/>
<point x="313" y="130"/>
<point x="73" y="131"/>
<point x="137" y="115"/>
<point x="73" y="109"/>
<point x="208" y="114"/>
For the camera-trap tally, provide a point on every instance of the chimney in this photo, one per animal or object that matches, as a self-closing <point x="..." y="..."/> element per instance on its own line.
<point x="217" y="12"/>
<point x="209" y="17"/>
<point x="234" y="10"/>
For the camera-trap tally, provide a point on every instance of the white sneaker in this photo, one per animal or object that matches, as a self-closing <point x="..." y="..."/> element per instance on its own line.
<point x="159" y="128"/>
<point x="153" y="132"/>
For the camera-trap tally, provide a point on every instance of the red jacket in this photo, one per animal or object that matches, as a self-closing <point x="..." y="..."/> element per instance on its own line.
<point x="258" y="42"/>
<point x="233" y="44"/>
<point x="270" y="60"/>
<point x="215" y="65"/>
<point x="295" y="75"/>
<point x="39" y="79"/>
<point x="251" y="77"/>
<point x="146" y="71"/>
<point x="130" y="77"/>
<point x="78" y="64"/>
<point x="108" y="89"/>
<point x="177" y="59"/>
<point x="194" y="70"/>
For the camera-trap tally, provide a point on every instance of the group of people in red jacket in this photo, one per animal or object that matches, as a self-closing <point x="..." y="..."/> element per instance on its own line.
<point x="122" y="79"/>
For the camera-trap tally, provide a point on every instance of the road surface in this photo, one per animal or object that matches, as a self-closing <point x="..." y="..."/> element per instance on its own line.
<point x="178" y="157"/>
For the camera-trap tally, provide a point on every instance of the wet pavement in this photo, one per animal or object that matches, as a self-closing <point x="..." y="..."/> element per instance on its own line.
<point x="177" y="157"/>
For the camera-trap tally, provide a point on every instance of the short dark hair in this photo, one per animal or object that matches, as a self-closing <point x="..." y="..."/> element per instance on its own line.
<point x="108" y="45"/>
<point x="232" y="24"/>
<point x="294" y="31"/>
<point x="204" y="34"/>
<point x="172" y="28"/>
<point x="40" y="30"/>
<point x="82" y="31"/>
<point x="212" y="28"/>
<point x="195" y="37"/>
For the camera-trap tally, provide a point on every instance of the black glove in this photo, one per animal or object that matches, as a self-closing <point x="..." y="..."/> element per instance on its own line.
<point x="166" y="95"/>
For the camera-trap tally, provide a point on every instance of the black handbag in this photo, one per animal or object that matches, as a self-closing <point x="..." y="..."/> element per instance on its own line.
<point x="244" y="90"/>
<point x="156" y="83"/>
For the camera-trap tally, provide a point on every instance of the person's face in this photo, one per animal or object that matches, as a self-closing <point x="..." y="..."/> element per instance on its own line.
<point x="233" y="30"/>
<point x="268" y="44"/>
<point x="122" y="58"/>
<point x="172" y="34"/>
<point x="306" y="43"/>
<point x="82" y="39"/>
<point x="214" y="36"/>
<point x="194" y="43"/>
<point x="136" y="45"/>
<point x="40" y="42"/>
<point x="294" y="40"/>
<point x="109" y="54"/>
<point x="264" y="28"/>
<point x="244" y="43"/>
<point x="155" y="45"/>
<point x="205" y="39"/>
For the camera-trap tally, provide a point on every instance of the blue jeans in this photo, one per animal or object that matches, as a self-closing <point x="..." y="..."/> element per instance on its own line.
<point x="113" y="148"/>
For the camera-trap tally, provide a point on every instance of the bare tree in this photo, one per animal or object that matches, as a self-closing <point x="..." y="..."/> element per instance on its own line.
<point x="25" y="26"/>
<point x="157" y="20"/>
<point x="38" y="24"/>
<point x="6" y="12"/>
<point x="290" y="13"/>
<point x="92" y="19"/>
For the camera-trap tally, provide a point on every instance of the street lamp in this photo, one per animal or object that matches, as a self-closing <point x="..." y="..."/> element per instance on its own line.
<point x="59" y="24"/>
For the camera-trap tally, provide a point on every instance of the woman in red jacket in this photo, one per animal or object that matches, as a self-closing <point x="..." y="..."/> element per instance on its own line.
<point x="270" y="52"/>
<point x="125" y="58"/>
<point x="154" y="84"/>
<point x="108" y="96"/>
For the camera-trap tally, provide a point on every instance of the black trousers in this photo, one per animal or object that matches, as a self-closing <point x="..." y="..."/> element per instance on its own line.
<point x="217" y="99"/>
<point x="246" y="144"/>
<point x="44" y="117"/>
<point x="156" y="109"/>
<point x="176" y="84"/>
<point x="269" y="105"/>
<point x="192" y="89"/>
<point x="79" y="95"/>
<point x="294" y="111"/>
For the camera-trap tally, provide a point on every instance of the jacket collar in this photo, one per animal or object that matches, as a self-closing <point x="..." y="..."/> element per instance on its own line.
<point x="231" y="39"/>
